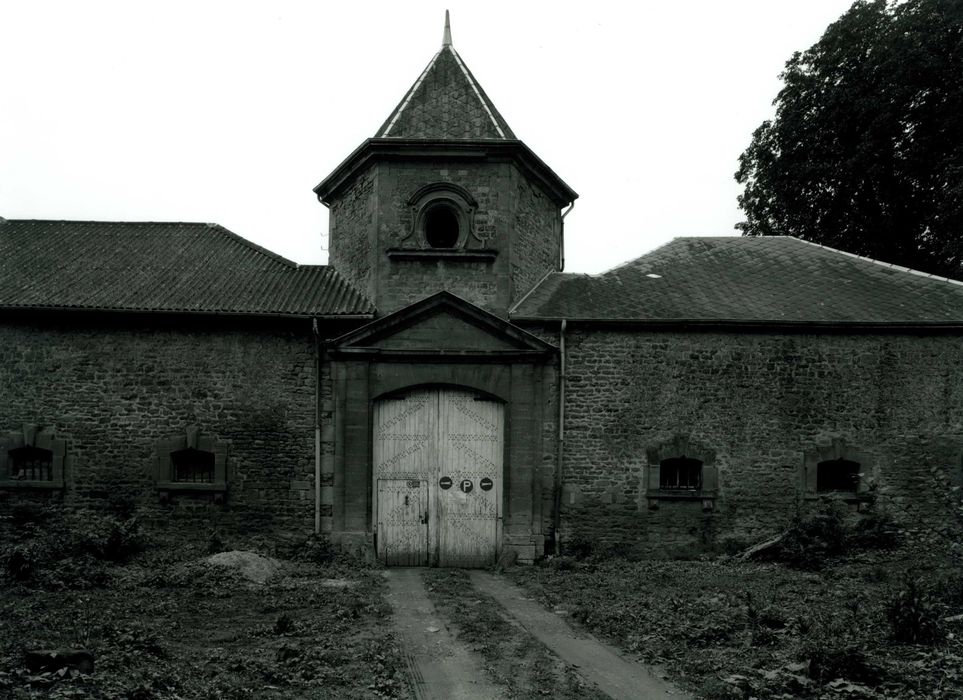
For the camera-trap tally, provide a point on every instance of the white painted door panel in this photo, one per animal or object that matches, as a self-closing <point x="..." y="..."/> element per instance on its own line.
<point x="453" y="442"/>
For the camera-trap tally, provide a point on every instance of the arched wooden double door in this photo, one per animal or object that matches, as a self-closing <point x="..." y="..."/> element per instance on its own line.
<point x="438" y="478"/>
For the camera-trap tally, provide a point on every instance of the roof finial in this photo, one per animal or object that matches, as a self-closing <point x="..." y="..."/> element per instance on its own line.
<point x="446" y="40"/>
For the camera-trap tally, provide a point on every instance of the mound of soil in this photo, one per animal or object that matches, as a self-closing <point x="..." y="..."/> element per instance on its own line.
<point x="251" y="566"/>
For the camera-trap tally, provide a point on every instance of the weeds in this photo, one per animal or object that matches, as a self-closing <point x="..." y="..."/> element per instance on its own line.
<point x="56" y="552"/>
<point x="916" y="615"/>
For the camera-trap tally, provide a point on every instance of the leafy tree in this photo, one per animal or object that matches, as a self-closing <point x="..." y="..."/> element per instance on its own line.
<point x="865" y="152"/>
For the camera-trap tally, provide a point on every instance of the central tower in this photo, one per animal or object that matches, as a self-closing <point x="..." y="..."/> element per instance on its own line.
<point x="445" y="197"/>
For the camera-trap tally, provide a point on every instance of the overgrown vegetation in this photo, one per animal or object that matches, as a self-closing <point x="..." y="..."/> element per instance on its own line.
<point x="514" y="657"/>
<point x="867" y="623"/>
<point x="163" y="624"/>
<point x="76" y="551"/>
<point x="814" y="537"/>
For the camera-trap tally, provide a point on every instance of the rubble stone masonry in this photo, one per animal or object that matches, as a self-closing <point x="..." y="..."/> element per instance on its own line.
<point x="759" y="401"/>
<point x="113" y="391"/>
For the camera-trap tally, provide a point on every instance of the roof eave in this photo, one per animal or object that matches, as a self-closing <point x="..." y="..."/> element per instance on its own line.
<point x="376" y="149"/>
<point x="22" y="308"/>
<point x="747" y="324"/>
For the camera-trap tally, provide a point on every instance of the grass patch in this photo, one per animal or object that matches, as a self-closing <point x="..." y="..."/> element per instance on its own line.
<point x="734" y="630"/>
<point x="513" y="657"/>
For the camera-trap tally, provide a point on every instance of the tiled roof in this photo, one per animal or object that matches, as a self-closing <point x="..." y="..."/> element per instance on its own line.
<point x="183" y="267"/>
<point x="748" y="279"/>
<point x="446" y="102"/>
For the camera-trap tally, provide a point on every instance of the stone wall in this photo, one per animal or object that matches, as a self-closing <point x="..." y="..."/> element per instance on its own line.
<point x="112" y="390"/>
<point x="351" y="228"/>
<point x="759" y="402"/>
<point x="537" y="236"/>
<point x="513" y="217"/>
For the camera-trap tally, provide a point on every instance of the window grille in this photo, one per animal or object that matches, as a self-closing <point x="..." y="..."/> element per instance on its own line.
<point x="680" y="474"/>
<point x="193" y="466"/>
<point x="31" y="463"/>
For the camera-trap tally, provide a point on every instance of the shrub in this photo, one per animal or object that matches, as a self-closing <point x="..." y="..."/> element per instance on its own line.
<point x="315" y="549"/>
<point x="876" y="530"/>
<point x="19" y="563"/>
<point x="105" y="537"/>
<point x="832" y="647"/>
<point x="577" y="547"/>
<point x="283" y="624"/>
<point x="215" y="545"/>
<point x="811" y="538"/>
<point x="915" y="615"/>
<point x="57" y="552"/>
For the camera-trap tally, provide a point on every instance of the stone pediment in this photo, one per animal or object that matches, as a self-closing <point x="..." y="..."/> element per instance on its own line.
<point x="441" y="325"/>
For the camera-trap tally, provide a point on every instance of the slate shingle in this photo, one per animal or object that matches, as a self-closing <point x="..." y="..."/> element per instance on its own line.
<point x="446" y="102"/>
<point x="149" y="266"/>
<point x="753" y="279"/>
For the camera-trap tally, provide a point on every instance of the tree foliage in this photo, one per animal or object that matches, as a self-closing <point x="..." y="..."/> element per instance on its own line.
<point x="865" y="152"/>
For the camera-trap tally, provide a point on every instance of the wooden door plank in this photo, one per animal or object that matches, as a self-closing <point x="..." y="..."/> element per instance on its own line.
<point x="403" y="450"/>
<point x="470" y="450"/>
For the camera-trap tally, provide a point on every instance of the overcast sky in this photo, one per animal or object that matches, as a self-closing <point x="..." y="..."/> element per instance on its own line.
<point x="231" y="112"/>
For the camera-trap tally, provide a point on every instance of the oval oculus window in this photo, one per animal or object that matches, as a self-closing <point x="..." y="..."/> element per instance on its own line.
<point x="441" y="227"/>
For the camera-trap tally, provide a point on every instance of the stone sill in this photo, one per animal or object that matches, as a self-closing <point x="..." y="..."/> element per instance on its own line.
<point x="847" y="496"/>
<point x="708" y="498"/>
<point x="27" y="484"/>
<point x="480" y="255"/>
<point x="166" y="488"/>
<point x="191" y="486"/>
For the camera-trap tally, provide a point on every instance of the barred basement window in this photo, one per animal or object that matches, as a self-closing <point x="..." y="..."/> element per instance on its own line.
<point x="838" y="469"/>
<point x="681" y="469"/>
<point x="32" y="458"/>
<point x="193" y="466"/>
<point x="837" y="475"/>
<point x="680" y="474"/>
<point x="192" y="463"/>
<point x="29" y="463"/>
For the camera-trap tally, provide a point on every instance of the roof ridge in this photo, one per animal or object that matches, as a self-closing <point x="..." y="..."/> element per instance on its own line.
<point x="648" y="252"/>
<point x="215" y="226"/>
<point x="254" y="246"/>
<point x="477" y="90"/>
<point x="387" y="127"/>
<point x="892" y="266"/>
<point x="527" y="294"/>
<point x="111" y="221"/>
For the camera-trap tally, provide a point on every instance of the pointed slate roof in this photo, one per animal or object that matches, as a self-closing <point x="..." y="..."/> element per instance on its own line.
<point x="161" y="267"/>
<point x="446" y="102"/>
<point x="755" y="280"/>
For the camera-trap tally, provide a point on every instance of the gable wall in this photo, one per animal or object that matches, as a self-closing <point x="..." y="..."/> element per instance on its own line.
<point x="759" y="401"/>
<point x="112" y="392"/>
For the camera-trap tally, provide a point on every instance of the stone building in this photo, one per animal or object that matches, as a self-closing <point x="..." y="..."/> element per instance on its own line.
<point x="443" y="391"/>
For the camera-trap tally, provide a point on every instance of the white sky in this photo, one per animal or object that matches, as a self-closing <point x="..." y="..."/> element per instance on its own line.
<point x="231" y="112"/>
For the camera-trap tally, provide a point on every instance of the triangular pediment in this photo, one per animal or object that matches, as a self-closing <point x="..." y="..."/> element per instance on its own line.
<point x="442" y="324"/>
